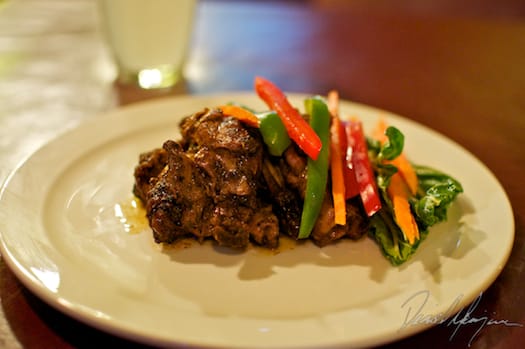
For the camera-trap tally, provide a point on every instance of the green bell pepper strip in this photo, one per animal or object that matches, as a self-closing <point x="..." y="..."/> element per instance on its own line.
<point x="317" y="170"/>
<point x="274" y="133"/>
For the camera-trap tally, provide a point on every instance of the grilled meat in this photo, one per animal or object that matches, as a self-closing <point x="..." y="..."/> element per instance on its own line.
<point x="219" y="182"/>
<point x="150" y="166"/>
<point x="210" y="185"/>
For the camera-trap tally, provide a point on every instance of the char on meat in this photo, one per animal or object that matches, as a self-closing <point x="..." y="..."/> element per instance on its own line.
<point x="208" y="184"/>
<point x="219" y="182"/>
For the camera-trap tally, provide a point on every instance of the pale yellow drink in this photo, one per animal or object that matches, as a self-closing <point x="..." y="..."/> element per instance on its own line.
<point x="149" y="38"/>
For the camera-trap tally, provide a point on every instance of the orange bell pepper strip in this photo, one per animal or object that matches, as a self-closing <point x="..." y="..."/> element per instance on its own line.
<point x="298" y="129"/>
<point x="350" y="184"/>
<point x="336" y="160"/>
<point x="241" y="114"/>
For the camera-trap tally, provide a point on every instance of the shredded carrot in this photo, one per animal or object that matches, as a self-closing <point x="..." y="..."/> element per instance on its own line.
<point x="241" y="114"/>
<point x="336" y="167"/>
<point x="336" y="160"/>
<point x="407" y="172"/>
<point x="402" y="184"/>
<point x="379" y="131"/>
<point x="333" y="103"/>
<point x="404" y="166"/>
<point x="398" y="193"/>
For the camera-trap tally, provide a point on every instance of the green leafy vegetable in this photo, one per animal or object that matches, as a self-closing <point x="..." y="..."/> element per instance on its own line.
<point x="436" y="192"/>
<point x="389" y="237"/>
<point x="394" y="146"/>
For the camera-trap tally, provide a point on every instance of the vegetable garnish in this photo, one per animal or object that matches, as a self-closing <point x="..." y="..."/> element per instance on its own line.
<point x="336" y="160"/>
<point x="240" y="113"/>
<point x="317" y="170"/>
<point x="351" y="187"/>
<point x="403" y="183"/>
<point x="399" y="195"/>
<point x="274" y="133"/>
<point x="363" y="169"/>
<point x="297" y="127"/>
<point x="429" y="206"/>
<point x="436" y="192"/>
<point x="402" y="200"/>
<point x="400" y="162"/>
<point x="404" y="220"/>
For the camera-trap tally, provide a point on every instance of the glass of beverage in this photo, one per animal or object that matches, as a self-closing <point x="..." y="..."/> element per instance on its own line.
<point x="149" y="39"/>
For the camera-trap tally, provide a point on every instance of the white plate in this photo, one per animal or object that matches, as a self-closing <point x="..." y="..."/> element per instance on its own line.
<point x="65" y="238"/>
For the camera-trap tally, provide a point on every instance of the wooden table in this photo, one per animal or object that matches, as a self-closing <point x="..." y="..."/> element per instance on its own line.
<point x="459" y="69"/>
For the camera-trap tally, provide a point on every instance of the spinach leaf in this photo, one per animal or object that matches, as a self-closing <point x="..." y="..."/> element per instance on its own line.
<point x="384" y="173"/>
<point x="389" y="238"/>
<point x="389" y="150"/>
<point x="374" y="147"/>
<point x="392" y="148"/>
<point x="378" y="152"/>
<point x="437" y="191"/>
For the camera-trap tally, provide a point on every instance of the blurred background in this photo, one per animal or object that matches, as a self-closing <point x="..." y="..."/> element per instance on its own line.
<point x="54" y="61"/>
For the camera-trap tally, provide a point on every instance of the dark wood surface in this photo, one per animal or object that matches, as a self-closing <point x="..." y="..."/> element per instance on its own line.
<point x="459" y="69"/>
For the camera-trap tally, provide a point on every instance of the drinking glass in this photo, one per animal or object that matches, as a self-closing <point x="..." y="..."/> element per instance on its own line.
<point x="149" y="39"/>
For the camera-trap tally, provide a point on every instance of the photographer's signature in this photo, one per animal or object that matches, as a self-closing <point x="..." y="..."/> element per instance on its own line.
<point x="415" y="315"/>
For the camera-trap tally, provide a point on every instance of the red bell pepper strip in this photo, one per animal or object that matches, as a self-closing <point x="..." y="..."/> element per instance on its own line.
<point x="364" y="174"/>
<point x="351" y="187"/>
<point x="298" y="129"/>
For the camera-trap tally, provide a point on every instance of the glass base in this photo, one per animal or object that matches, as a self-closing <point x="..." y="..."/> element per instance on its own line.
<point x="162" y="76"/>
